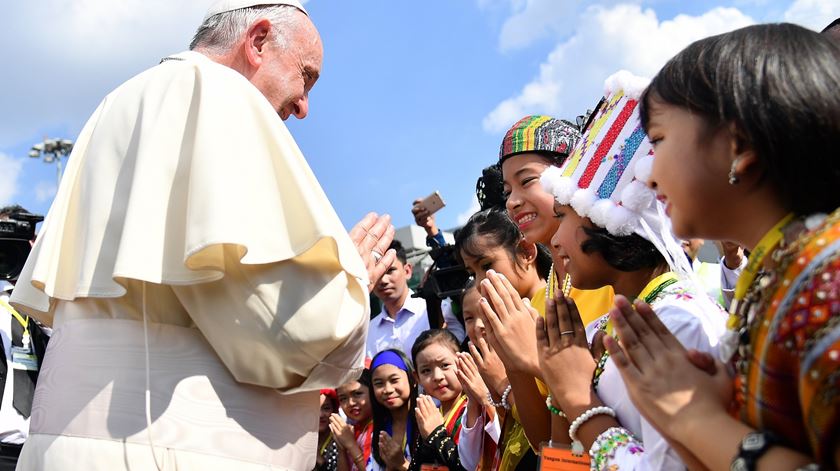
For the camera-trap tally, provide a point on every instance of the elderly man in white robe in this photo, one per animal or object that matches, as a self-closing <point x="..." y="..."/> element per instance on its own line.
<point x="200" y="285"/>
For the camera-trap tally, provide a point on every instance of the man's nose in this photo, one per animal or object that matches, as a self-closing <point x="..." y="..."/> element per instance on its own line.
<point x="302" y="107"/>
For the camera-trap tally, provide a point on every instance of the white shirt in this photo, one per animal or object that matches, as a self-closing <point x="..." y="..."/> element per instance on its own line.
<point x="14" y="428"/>
<point x="697" y="322"/>
<point x="471" y="439"/>
<point x="452" y="323"/>
<point x="400" y="331"/>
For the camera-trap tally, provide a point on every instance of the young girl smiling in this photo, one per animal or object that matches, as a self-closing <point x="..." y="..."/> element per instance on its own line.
<point x="491" y="241"/>
<point x="747" y="128"/>
<point x="394" y="425"/>
<point x="612" y="231"/>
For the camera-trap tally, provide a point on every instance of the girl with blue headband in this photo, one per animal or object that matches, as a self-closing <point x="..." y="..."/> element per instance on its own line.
<point x="395" y="398"/>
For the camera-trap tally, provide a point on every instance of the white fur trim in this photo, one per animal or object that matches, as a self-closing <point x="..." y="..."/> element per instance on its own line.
<point x="582" y="201"/>
<point x="621" y="221"/>
<point x="636" y="196"/>
<point x="642" y="168"/>
<point x="632" y="85"/>
<point x="599" y="214"/>
<point x="549" y="178"/>
<point x="553" y="181"/>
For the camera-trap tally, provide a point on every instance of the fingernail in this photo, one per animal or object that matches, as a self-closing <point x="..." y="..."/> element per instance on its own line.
<point x="483" y="300"/>
<point x="491" y="272"/>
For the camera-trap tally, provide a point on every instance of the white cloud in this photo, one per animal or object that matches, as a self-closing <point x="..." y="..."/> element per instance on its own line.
<point x="464" y="216"/>
<point x="61" y="57"/>
<point x="606" y="40"/>
<point x="814" y="14"/>
<point x="535" y="19"/>
<point x="10" y="168"/>
<point x="45" y="191"/>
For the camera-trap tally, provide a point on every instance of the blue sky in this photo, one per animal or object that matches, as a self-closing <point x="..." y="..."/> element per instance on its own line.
<point x="413" y="97"/>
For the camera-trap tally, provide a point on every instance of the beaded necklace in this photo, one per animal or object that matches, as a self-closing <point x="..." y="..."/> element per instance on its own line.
<point x="549" y="287"/>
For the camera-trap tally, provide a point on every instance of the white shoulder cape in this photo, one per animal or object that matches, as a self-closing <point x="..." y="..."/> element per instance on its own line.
<point x="179" y="162"/>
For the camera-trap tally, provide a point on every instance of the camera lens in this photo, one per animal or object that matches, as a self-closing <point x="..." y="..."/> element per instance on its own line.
<point x="13" y="253"/>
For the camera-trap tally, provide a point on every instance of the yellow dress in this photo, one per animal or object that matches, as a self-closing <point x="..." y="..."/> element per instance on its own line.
<point x="592" y="304"/>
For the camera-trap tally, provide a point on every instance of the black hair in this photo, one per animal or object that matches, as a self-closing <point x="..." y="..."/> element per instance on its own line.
<point x="489" y="189"/>
<point x="365" y="378"/>
<point x="382" y="416"/>
<point x="398" y="247"/>
<point x="625" y="253"/>
<point x="832" y="28"/>
<point x="11" y="210"/>
<point x="777" y="84"/>
<point x="431" y="336"/>
<point x="496" y="225"/>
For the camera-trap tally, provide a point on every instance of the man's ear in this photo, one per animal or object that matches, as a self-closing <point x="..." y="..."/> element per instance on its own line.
<point x="256" y="40"/>
<point x="409" y="269"/>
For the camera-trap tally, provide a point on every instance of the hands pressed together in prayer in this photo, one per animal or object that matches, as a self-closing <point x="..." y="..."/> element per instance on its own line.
<point x="392" y="452"/>
<point x="342" y="432"/>
<point x="428" y="416"/>
<point x="566" y="360"/>
<point x="509" y="322"/>
<point x="672" y="387"/>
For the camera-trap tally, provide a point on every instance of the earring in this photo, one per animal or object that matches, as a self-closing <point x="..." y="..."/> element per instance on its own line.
<point x="733" y="178"/>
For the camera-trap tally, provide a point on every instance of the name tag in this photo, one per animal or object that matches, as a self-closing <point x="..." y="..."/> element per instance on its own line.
<point x="24" y="359"/>
<point x="561" y="458"/>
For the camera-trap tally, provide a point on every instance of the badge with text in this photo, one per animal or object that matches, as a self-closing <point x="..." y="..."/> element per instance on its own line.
<point x="24" y="359"/>
<point x="558" y="457"/>
<point x="433" y="467"/>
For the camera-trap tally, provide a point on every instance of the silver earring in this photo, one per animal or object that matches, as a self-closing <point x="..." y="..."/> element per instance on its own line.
<point x="733" y="178"/>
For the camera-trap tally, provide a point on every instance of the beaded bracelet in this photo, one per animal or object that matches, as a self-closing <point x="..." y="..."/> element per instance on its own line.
<point x="577" y="446"/>
<point x="607" y="443"/>
<point x="553" y="409"/>
<point x="503" y="403"/>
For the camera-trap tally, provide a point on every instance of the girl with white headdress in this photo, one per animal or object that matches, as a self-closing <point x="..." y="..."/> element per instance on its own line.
<point x="614" y="232"/>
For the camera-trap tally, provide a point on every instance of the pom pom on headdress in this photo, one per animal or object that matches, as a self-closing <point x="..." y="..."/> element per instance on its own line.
<point x="636" y="196"/>
<point x="643" y="167"/>
<point x="630" y="84"/>
<point x="621" y="221"/>
<point x="583" y="200"/>
<point x="600" y="212"/>
<point x="553" y="181"/>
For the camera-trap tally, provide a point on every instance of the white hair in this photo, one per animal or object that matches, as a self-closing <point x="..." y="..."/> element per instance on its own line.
<point x="219" y="33"/>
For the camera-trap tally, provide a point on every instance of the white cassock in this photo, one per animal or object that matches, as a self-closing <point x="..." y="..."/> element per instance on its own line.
<point x="187" y="202"/>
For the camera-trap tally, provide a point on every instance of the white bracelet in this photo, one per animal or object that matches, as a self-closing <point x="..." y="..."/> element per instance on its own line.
<point x="505" y="396"/>
<point x="577" y="446"/>
<point x="503" y="403"/>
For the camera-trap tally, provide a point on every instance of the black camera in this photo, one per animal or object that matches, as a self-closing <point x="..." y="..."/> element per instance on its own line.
<point x="16" y="232"/>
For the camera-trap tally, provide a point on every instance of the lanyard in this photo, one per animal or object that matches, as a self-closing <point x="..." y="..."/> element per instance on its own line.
<point x="324" y="446"/>
<point x="23" y="322"/>
<point x="651" y="291"/>
<point x="449" y="415"/>
<point x="756" y="259"/>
